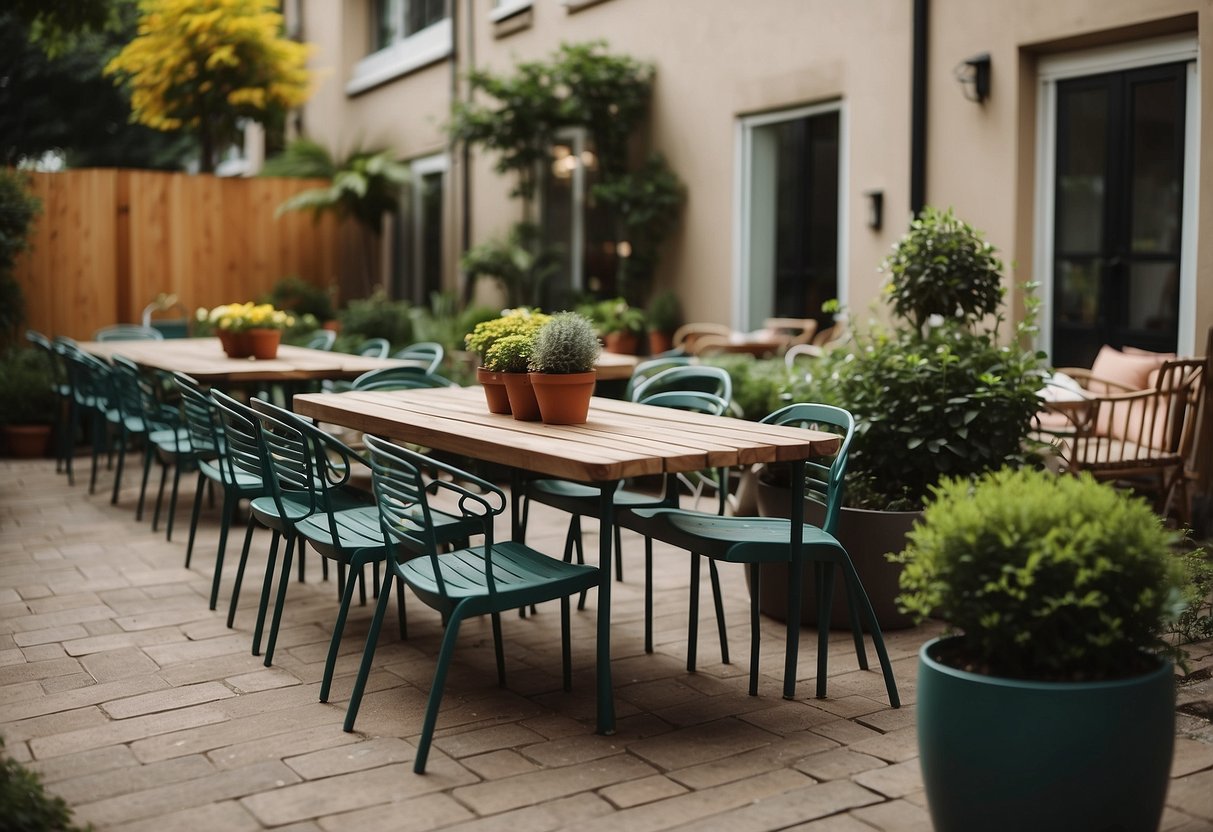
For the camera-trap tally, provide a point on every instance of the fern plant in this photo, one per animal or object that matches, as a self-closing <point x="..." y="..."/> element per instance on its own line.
<point x="565" y="344"/>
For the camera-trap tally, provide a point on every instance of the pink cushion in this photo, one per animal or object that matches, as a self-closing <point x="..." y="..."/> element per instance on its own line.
<point x="1144" y="423"/>
<point x="1130" y="369"/>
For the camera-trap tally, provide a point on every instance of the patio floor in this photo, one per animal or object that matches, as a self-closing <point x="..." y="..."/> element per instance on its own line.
<point x="145" y="712"/>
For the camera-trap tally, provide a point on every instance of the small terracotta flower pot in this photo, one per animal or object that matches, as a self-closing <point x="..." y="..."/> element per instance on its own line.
<point x="564" y="399"/>
<point x="263" y="343"/>
<point x="494" y="390"/>
<point x="622" y="342"/>
<point x="235" y="344"/>
<point x="523" y="403"/>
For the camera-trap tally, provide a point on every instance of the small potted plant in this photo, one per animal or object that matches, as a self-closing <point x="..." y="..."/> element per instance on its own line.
<point x="247" y="329"/>
<point x="510" y="357"/>
<point x="1052" y="703"/>
<point x="562" y="368"/>
<point x="621" y="326"/>
<point x="27" y="403"/>
<point x="665" y="316"/>
<point x="520" y="321"/>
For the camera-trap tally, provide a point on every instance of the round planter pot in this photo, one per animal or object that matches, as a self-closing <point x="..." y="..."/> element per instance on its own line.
<point x="564" y="398"/>
<point x="27" y="441"/>
<point x="625" y="343"/>
<point x="494" y="390"/>
<point x="263" y="343"/>
<point x="236" y="344"/>
<point x="523" y="403"/>
<point x="1009" y="754"/>
<point x="866" y="535"/>
<point x="660" y="342"/>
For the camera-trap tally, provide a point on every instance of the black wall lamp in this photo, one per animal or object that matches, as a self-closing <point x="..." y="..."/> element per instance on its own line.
<point x="974" y="77"/>
<point x="875" y="209"/>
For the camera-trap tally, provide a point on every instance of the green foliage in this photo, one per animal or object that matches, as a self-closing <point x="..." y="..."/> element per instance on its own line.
<point x="299" y="297"/>
<point x="614" y="315"/>
<point x="25" y="805"/>
<point x="565" y="344"/>
<point x="521" y="321"/>
<point x="18" y="208"/>
<point x="375" y="317"/>
<point x="26" y="397"/>
<point x="760" y="385"/>
<point x="943" y="267"/>
<point x="664" y="312"/>
<point x="1195" y="623"/>
<point x="1048" y="577"/>
<point x="444" y="323"/>
<point x="510" y="354"/>
<point x="521" y="261"/>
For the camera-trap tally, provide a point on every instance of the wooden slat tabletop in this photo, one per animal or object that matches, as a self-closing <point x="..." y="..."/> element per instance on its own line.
<point x="620" y="439"/>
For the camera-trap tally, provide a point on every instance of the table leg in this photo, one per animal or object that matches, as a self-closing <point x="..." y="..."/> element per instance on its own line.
<point x="795" y="571"/>
<point x="606" y="517"/>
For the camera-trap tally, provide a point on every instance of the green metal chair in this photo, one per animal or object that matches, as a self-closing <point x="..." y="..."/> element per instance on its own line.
<point x="63" y="430"/>
<point x="92" y="394"/>
<point x="645" y="370"/>
<point x="487" y="579"/>
<point x="374" y="348"/>
<point x="755" y="540"/>
<point x="400" y="378"/>
<point x="321" y="339"/>
<point x="142" y="418"/>
<point x="698" y="377"/>
<point x="425" y="354"/>
<point x="128" y="332"/>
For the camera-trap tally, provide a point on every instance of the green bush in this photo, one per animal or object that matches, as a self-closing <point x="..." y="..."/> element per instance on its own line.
<point x="26" y="397"/>
<point x="24" y="804"/>
<point x="760" y="385"/>
<point x="565" y="344"/>
<point x="376" y="317"/>
<point x="664" y="312"/>
<point x="1048" y="577"/>
<point x="18" y="209"/>
<point x="297" y="296"/>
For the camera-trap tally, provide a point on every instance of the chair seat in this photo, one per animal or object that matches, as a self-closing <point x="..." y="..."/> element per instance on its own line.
<point x="577" y="498"/>
<point x="357" y="531"/>
<point x="734" y="539"/>
<point x="521" y="575"/>
<point x="246" y="483"/>
<point x="171" y="440"/>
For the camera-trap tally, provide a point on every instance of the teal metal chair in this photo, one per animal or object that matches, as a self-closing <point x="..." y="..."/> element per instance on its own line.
<point x="141" y="418"/>
<point x="321" y="339"/>
<point x="400" y="378"/>
<point x="649" y="368"/>
<point x="698" y="377"/>
<point x="756" y="540"/>
<point x="374" y="348"/>
<point x="92" y="394"/>
<point x="486" y="579"/>
<point x="63" y="430"/>
<point x="425" y="354"/>
<point x="128" y="332"/>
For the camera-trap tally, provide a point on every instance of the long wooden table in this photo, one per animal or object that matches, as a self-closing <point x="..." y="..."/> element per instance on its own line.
<point x="620" y="440"/>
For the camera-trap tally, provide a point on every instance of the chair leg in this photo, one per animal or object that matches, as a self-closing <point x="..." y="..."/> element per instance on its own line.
<point x="431" y="708"/>
<point x="148" y="452"/>
<point x="368" y="655"/>
<point x="498" y="650"/>
<point x="159" y="498"/>
<point x="719" y="603"/>
<point x="648" y="595"/>
<point x="267" y="586"/>
<point x="861" y="653"/>
<point x="566" y="648"/>
<point x="122" y="440"/>
<point x="280" y="603"/>
<point x="693" y="628"/>
<point x="851" y="577"/>
<point x="248" y="541"/>
<point x="330" y="661"/>
<point x="172" y="503"/>
<point x="225" y="521"/>
<point x="825" y="577"/>
<point x="201" y="487"/>
<point x="755" y="623"/>
<point x="792" y="650"/>
<point x="404" y="622"/>
<point x="340" y="578"/>
<point x="618" y="555"/>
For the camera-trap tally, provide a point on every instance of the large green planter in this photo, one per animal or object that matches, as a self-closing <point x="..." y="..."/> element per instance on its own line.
<point x="1007" y="754"/>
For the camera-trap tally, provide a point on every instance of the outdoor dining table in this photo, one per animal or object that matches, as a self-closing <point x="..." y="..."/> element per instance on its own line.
<point x="618" y="441"/>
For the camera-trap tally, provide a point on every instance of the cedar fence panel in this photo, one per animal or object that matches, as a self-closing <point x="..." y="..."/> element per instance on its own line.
<point x="108" y="241"/>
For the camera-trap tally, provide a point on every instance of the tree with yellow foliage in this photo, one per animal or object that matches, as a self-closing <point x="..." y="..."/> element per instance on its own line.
<point x="204" y="64"/>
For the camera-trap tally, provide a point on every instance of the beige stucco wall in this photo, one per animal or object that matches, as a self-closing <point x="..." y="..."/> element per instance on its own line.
<point x="719" y="60"/>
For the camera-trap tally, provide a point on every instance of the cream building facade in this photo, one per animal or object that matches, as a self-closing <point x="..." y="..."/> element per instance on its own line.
<point x="807" y="131"/>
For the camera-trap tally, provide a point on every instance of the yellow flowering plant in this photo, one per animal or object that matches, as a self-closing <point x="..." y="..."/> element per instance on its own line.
<point x="241" y="317"/>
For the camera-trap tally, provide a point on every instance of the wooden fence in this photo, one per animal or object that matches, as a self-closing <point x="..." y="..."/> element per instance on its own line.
<point x="109" y="241"/>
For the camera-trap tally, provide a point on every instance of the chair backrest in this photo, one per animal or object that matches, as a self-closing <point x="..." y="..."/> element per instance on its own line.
<point x="791" y="330"/>
<point x="797" y="350"/>
<point x="53" y="358"/>
<point x="1147" y="427"/>
<point x="403" y="479"/>
<point x="89" y="377"/>
<point x="374" y="348"/>
<point x="823" y="475"/>
<point x="290" y="461"/>
<point x="697" y="377"/>
<point x="240" y="453"/>
<point x="698" y="402"/>
<point x="645" y="370"/>
<point x="128" y="332"/>
<point x="321" y="339"/>
<point x="687" y="334"/>
<point x="425" y="354"/>
<point x="133" y="400"/>
<point x="400" y="378"/>
<point x="201" y="417"/>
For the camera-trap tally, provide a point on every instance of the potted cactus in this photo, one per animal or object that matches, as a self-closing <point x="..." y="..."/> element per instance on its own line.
<point x="1052" y="704"/>
<point x="562" y="368"/>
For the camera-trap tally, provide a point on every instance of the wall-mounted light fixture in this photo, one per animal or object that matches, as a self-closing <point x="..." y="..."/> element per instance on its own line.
<point x="974" y="77"/>
<point x="875" y="209"/>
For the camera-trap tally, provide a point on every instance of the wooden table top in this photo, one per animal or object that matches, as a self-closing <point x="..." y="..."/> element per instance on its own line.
<point x="620" y="439"/>
<point x="613" y="366"/>
<point x="204" y="359"/>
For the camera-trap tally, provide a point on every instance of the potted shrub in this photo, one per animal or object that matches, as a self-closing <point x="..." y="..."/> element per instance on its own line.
<point x="246" y="330"/>
<point x="27" y="403"/>
<point x="664" y="314"/>
<point x="520" y="321"/>
<point x="936" y="393"/>
<point x="562" y="368"/>
<point x="510" y="357"/>
<point x="620" y="325"/>
<point x="1052" y="703"/>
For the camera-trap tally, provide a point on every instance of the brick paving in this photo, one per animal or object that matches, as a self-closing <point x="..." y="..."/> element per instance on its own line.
<point x="145" y="712"/>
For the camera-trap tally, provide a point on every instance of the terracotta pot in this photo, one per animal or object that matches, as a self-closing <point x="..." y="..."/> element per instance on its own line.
<point x="564" y="398"/>
<point x="660" y="342"/>
<point x="624" y="343"/>
<point x="27" y="441"/>
<point x="523" y="403"/>
<point x="236" y="344"/>
<point x="494" y="390"/>
<point x="263" y="343"/>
